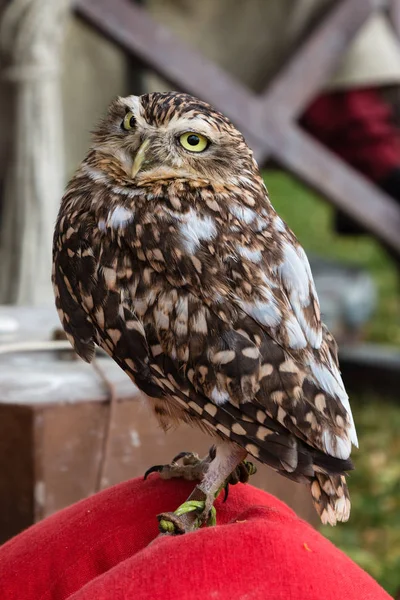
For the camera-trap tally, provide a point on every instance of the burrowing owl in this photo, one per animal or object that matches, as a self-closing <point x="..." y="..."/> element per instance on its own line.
<point x="169" y="255"/>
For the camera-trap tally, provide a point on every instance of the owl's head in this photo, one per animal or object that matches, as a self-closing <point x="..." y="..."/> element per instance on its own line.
<point x="169" y="135"/>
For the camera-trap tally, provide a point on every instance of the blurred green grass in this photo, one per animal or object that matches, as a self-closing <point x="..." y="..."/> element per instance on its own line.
<point x="372" y="536"/>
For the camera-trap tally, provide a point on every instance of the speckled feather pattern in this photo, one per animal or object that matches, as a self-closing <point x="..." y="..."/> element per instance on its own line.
<point x="194" y="285"/>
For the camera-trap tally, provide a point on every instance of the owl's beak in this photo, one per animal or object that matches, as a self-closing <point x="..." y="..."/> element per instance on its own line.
<point x="139" y="158"/>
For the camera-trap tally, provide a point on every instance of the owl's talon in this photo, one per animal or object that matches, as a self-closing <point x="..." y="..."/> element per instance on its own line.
<point x="181" y="455"/>
<point x="241" y="474"/>
<point x="226" y="492"/>
<point x="251" y="468"/>
<point x="191" y="468"/>
<point x="188" y="458"/>
<point x="153" y="469"/>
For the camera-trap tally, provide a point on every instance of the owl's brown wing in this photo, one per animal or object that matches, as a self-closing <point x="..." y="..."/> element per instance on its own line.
<point x="241" y="373"/>
<point x="87" y="282"/>
<point x="72" y="266"/>
<point x="285" y="306"/>
<point x="241" y="319"/>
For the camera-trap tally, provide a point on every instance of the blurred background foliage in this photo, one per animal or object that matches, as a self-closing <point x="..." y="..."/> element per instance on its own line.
<point x="372" y="536"/>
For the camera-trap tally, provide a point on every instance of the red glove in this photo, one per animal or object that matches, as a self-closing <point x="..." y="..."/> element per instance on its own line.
<point x="99" y="549"/>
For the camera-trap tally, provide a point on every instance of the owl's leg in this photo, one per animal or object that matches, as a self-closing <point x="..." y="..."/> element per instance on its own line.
<point x="199" y="507"/>
<point x="192" y="467"/>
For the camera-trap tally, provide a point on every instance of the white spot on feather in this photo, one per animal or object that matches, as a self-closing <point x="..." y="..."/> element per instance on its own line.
<point x="279" y="224"/>
<point x="110" y="277"/>
<point x="313" y="335"/>
<point x="263" y="221"/>
<point x="199" y="323"/>
<point x="271" y="283"/>
<point x="296" y="276"/>
<point x="247" y="180"/>
<point x="295" y="334"/>
<point x="223" y="357"/>
<point x="211" y="409"/>
<point x="342" y="508"/>
<point x="194" y="229"/>
<point x="328" y="516"/>
<point x="161" y="319"/>
<point x="253" y="255"/>
<point x="181" y="323"/>
<point x="332" y="383"/>
<point x="223" y="429"/>
<point x="96" y="175"/>
<point x="266" y="313"/>
<point x="251" y="352"/>
<point x="219" y="396"/>
<point x="118" y="218"/>
<point x="336" y="445"/>
<point x="242" y="213"/>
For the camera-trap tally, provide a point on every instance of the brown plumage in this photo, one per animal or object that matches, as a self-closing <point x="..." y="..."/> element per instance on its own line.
<point x="169" y="255"/>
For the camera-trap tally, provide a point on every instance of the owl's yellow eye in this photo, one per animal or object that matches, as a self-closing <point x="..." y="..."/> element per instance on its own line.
<point x="129" y="121"/>
<point x="194" y="142"/>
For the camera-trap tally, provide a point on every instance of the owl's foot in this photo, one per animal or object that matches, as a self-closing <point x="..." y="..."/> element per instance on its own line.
<point x="204" y="509"/>
<point x="192" y="467"/>
<point x="199" y="507"/>
<point x="241" y="474"/>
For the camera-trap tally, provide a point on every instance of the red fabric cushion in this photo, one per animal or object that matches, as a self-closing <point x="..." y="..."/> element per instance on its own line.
<point x="100" y="549"/>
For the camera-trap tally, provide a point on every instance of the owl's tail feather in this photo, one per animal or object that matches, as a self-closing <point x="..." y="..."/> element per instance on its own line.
<point x="331" y="498"/>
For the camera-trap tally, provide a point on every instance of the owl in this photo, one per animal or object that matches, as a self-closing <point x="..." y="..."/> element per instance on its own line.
<point x="169" y="255"/>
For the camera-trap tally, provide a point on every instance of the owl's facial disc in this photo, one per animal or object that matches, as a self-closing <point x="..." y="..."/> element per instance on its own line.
<point x="158" y="149"/>
<point x="167" y="136"/>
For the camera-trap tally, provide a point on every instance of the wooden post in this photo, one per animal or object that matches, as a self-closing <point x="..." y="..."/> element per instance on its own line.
<point x="31" y="34"/>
